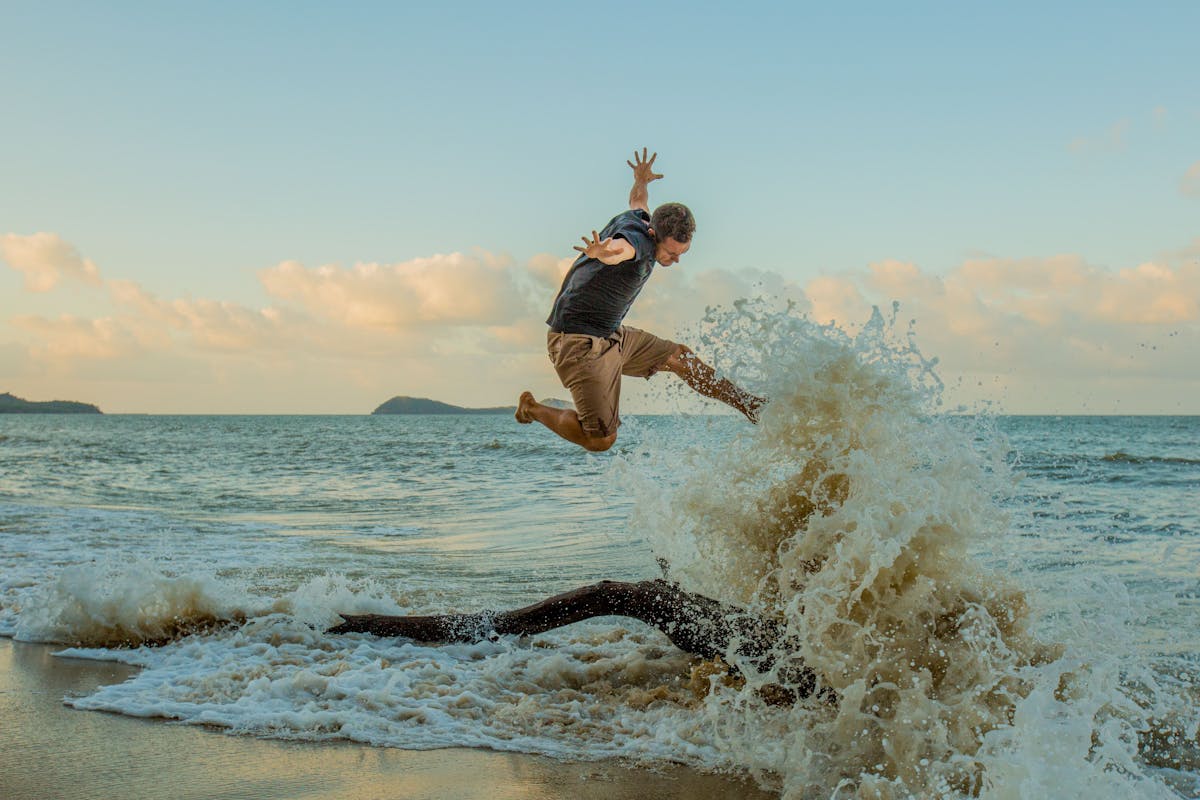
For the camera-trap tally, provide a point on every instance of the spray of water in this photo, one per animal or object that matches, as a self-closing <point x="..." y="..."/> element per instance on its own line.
<point x="851" y="514"/>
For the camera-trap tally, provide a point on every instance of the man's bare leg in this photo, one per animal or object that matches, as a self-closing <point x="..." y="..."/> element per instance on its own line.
<point x="563" y="421"/>
<point x="703" y="379"/>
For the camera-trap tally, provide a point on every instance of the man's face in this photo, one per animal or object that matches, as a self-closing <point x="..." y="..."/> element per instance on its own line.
<point x="668" y="251"/>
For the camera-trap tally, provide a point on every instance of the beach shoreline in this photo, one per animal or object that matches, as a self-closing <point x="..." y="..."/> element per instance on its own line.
<point x="52" y="750"/>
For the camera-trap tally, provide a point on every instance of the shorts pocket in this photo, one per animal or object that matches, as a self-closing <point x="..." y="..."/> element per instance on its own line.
<point x="577" y="349"/>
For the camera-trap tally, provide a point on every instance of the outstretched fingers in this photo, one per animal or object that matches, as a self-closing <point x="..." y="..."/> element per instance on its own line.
<point x="642" y="166"/>
<point x="595" y="242"/>
<point x="597" y="247"/>
<point x="643" y="160"/>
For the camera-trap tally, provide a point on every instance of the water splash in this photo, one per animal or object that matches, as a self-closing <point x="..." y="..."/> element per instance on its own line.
<point x="851" y="514"/>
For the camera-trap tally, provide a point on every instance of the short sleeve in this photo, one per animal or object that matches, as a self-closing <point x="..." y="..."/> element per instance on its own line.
<point x="635" y="230"/>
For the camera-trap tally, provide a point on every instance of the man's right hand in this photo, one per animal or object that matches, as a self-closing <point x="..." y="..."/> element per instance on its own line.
<point x="643" y="173"/>
<point x="606" y="251"/>
<point x="643" y="169"/>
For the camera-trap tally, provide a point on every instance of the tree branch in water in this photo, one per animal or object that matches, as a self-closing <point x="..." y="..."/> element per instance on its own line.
<point x="695" y="624"/>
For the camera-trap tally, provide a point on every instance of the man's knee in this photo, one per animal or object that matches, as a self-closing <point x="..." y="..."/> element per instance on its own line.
<point x="598" y="444"/>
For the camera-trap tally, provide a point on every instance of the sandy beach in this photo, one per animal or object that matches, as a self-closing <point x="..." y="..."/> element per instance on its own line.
<point x="51" y="750"/>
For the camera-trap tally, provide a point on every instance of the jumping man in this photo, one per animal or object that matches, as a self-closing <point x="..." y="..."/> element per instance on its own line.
<point x="587" y="343"/>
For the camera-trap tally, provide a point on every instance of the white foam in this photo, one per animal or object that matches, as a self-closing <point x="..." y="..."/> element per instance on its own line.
<point x="124" y="603"/>
<point x="593" y="692"/>
<point x="56" y="562"/>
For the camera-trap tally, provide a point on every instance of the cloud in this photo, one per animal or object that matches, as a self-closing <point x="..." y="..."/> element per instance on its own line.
<point x="437" y="305"/>
<point x="338" y="338"/>
<point x="1150" y="294"/>
<point x="470" y="329"/>
<point x="443" y="290"/>
<point x="216" y="325"/>
<point x="548" y="271"/>
<point x="69" y="337"/>
<point x="142" y="324"/>
<point x="1109" y="141"/>
<point x="46" y="260"/>
<point x="1190" y="183"/>
<point x="1035" y="319"/>
<point x="984" y="300"/>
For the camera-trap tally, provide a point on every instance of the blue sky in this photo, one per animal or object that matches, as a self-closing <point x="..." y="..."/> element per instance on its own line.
<point x="188" y="147"/>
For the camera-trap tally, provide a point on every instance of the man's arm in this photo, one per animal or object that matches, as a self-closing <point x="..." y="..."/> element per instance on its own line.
<point x="615" y="251"/>
<point x="643" y="174"/>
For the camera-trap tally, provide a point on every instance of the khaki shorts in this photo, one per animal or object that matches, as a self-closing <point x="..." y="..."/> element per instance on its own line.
<point x="591" y="369"/>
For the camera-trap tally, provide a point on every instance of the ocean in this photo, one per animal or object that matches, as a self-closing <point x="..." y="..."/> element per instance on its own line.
<point x="1004" y="606"/>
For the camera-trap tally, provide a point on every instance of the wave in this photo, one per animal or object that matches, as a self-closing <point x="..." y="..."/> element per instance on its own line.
<point x="125" y="606"/>
<point x="1126" y="458"/>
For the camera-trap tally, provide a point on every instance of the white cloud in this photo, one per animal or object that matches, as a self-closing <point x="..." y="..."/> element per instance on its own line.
<point x="1052" y="331"/>
<point x="69" y="336"/>
<point x="454" y="327"/>
<point x="1047" y="292"/>
<point x="1111" y="140"/>
<point x="548" y="271"/>
<point x="470" y="329"/>
<point x="1150" y="294"/>
<point x="209" y="324"/>
<point x="1190" y="183"/>
<point x="45" y="260"/>
<point x="443" y="304"/>
<point x="453" y="289"/>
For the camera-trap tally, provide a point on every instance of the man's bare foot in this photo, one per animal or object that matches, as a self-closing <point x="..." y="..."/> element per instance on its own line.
<point x="753" y="404"/>
<point x="749" y="404"/>
<point x="525" y="407"/>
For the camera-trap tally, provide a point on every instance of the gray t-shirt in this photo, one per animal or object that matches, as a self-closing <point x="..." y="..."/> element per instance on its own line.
<point x="595" y="297"/>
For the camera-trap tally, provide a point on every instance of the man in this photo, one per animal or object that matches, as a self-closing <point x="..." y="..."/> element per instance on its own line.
<point x="587" y="343"/>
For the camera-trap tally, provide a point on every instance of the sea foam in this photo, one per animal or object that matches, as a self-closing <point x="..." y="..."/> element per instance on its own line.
<point x="126" y="604"/>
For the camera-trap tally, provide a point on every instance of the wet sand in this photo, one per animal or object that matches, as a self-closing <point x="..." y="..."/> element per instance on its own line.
<point x="49" y="750"/>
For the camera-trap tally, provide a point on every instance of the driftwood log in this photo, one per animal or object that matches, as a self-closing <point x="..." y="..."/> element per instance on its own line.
<point x="695" y="624"/>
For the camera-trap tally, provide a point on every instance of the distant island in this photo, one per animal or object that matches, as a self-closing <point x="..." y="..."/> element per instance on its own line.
<point x="11" y="404"/>
<point x="423" y="405"/>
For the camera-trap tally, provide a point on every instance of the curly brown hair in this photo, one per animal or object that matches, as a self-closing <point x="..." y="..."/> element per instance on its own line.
<point x="673" y="221"/>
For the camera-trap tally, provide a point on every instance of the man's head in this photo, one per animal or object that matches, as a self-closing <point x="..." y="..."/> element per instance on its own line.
<point x="672" y="225"/>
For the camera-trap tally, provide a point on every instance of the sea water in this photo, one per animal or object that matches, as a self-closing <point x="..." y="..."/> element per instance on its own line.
<point x="1000" y="606"/>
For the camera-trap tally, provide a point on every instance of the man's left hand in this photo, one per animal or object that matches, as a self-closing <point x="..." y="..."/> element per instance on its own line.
<point x="605" y="250"/>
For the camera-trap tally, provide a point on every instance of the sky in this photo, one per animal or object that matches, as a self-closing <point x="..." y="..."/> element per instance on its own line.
<point x="262" y="207"/>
